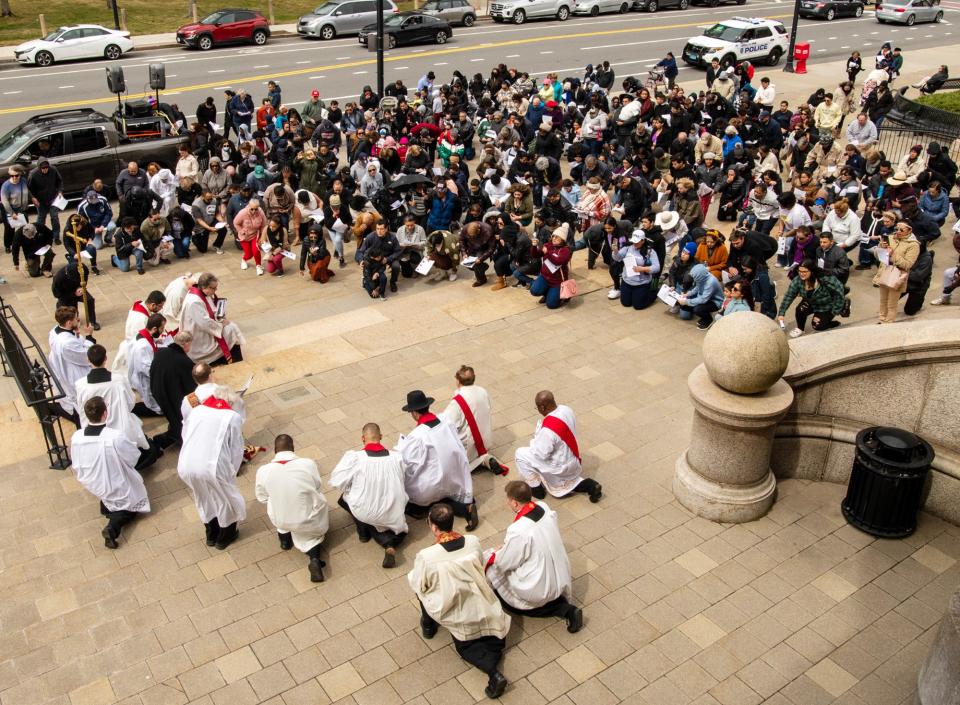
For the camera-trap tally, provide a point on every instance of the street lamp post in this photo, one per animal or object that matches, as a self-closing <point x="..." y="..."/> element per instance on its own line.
<point x="116" y="14"/>
<point x="788" y="66"/>
<point x="380" y="48"/>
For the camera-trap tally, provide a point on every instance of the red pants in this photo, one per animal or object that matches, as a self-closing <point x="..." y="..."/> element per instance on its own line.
<point x="275" y="264"/>
<point x="250" y="249"/>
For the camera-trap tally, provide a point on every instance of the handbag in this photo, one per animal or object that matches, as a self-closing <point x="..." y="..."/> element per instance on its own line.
<point x="568" y="287"/>
<point x="891" y="277"/>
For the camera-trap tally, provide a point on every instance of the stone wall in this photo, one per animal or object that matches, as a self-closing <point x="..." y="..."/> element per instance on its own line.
<point x="905" y="375"/>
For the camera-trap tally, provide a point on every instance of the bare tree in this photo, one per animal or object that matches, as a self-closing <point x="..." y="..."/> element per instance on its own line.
<point x="5" y="10"/>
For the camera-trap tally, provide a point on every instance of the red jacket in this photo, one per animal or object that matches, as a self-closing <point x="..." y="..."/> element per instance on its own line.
<point x="556" y="255"/>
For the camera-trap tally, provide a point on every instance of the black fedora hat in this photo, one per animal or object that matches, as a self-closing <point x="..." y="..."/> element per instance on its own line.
<point x="417" y="401"/>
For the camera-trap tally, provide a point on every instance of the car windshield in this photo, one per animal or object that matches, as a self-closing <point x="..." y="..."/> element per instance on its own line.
<point x="326" y="9"/>
<point x="11" y="143"/>
<point x="724" y="32"/>
<point x="212" y="19"/>
<point x="53" y="35"/>
<point x="394" y="20"/>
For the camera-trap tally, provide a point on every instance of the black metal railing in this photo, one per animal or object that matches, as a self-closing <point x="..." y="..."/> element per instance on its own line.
<point x="895" y="140"/>
<point x="39" y="388"/>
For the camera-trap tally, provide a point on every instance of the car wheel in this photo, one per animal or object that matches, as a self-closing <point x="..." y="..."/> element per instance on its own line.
<point x="741" y="2"/>
<point x="774" y="58"/>
<point x="259" y="37"/>
<point x="652" y="6"/>
<point x="831" y="13"/>
<point x="623" y="9"/>
<point x="684" y="4"/>
<point x="468" y="20"/>
<point x="43" y="58"/>
<point x="911" y="20"/>
<point x="519" y="17"/>
<point x="327" y="32"/>
<point x="939" y="17"/>
<point x="391" y="41"/>
<point x="563" y="14"/>
<point x="205" y="43"/>
<point x="859" y="11"/>
<point x="441" y="37"/>
<point x="112" y="52"/>
<point x="595" y="10"/>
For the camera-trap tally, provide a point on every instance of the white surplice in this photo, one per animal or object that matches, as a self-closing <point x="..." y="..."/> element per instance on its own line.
<point x="104" y="465"/>
<point x="175" y="293"/>
<point x="291" y="489"/>
<point x="118" y="396"/>
<point x="203" y="392"/>
<point x="532" y="567"/>
<point x="453" y="590"/>
<point x="479" y="403"/>
<point x="138" y="370"/>
<point x="205" y="330"/>
<point x="68" y="363"/>
<point x="209" y="461"/>
<point x="548" y="459"/>
<point x="373" y="488"/>
<point x="435" y="465"/>
<point x="136" y="322"/>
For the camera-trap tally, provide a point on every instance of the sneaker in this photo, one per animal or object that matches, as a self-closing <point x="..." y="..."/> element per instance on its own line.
<point x="259" y="271"/>
<point x="845" y="311"/>
<point x="452" y="277"/>
<point x="796" y="333"/>
<point x="613" y="294"/>
<point x="942" y="301"/>
<point x="703" y="325"/>
<point x="244" y="265"/>
<point x="343" y="263"/>
<point x="673" y="309"/>
<point x="778" y="265"/>
<point x="140" y="271"/>
<point x="218" y="250"/>
<point x="95" y="270"/>
<point x="96" y="326"/>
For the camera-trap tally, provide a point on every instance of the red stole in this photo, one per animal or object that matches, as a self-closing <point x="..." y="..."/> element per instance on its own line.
<point x="566" y="435"/>
<point x="374" y="447"/>
<point x="426" y="418"/>
<point x="140" y="308"/>
<point x="224" y="348"/>
<point x="472" y="424"/>
<point x="145" y="334"/>
<point x="215" y="403"/>
<point x="524" y="510"/>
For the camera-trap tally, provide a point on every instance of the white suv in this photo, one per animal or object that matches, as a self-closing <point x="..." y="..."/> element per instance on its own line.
<point x="519" y="11"/>
<point x="739" y="38"/>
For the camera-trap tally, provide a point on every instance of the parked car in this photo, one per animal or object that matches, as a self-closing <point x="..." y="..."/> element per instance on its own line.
<point x="752" y="38"/>
<point x="79" y="41"/>
<point x="908" y="12"/>
<point x="84" y="144"/>
<point x="410" y="28"/>
<point x="829" y="9"/>
<point x="227" y="26"/>
<point x="341" y="17"/>
<point x="519" y="11"/>
<point x="715" y="3"/>
<point x="595" y="7"/>
<point x="654" y="5"/>
<point x="453" y="11"/>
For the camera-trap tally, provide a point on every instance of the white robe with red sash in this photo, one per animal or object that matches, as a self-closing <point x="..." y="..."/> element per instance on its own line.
<point x="548" y="459"/>
<point x="478" y="403"/>
<point x="531" y="568"/>
<point x="373" y="488"/>
<point x="290" y="487"/>
<point x="140" y="354"/>
<point x="435" y="464"/>
<point x="136" y="321"/>
<point x="210" y="460"/>
<point x="211" y="339"/>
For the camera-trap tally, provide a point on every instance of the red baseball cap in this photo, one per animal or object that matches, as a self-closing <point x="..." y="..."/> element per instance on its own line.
<point x="316" y="94"/>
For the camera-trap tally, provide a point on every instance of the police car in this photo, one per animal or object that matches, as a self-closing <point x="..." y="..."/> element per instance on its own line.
<point x="753" y="39"/>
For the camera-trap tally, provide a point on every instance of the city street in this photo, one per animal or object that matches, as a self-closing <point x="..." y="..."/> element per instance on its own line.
<point x="340" y="68"/>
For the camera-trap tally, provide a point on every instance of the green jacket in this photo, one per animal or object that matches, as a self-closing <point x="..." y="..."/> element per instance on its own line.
<point x="826" y="297"/>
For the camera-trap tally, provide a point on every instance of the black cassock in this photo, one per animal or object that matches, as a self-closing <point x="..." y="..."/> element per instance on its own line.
<point x="171" y="379"/>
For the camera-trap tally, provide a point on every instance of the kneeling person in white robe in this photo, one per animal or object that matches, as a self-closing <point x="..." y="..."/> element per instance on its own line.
<point x="435" y="464"/>
<point x="205" y="377"/>
<point x="116" y="393"/>
<point x="530" y="572"/>
<point x="215" y="340"/>
<point x="103" y="460"/>
<point x="552" y="459"/>
<point x="290" y="487"/>
<point x="209" y="462"/>
<point x="68" y="358"/>
<point x="136" y="321"/>
<point x="140" y="353"/>
<point x="373" y="494"/>
<point x="469" y="412"/>
<point x="175" y="293"/>
<point x="453" y="592"/>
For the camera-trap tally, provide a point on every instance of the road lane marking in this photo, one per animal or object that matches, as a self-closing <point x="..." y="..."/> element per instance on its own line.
<point x="60" y="88"/>
<point x="262" y="66"/>
<point x="217" y="71"/>
<point x="11" y="92"/>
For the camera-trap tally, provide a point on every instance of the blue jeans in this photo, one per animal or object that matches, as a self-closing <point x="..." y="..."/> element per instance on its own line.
<point x="864" y="254"/>
<point x="540" y="287"/>
<point x="124" y="264"/>
<point x="785" y="260"/>
<point x="520" y="277"/>
<point x="181" y="245"/>
<point x="45" y="209"/>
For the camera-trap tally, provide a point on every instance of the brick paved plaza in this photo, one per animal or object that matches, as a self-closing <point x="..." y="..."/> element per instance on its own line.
<point x="795" y="608"/>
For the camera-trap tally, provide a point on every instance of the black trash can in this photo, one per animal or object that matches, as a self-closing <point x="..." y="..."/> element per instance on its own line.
<point x="886" y="485"/>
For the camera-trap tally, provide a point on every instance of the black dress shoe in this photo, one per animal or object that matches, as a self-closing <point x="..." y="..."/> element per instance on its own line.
<point x="473" y="518"/>
<point x="495" y="685"/>
<point x="428" y="629"/>
<point x="109" y="540"/>
<point x="596" y="493"/>
<point x="389" y="558"/>
<point x="574" y="619"/>
<point x="496" y="468"/>
<point x="316" y="570"/>
<point x="96" y="326"/>
<point x="286" y="542"/>
<point x="363" y="537"/>
<point x="393" y="286"/>
<point x="225" y="540"/>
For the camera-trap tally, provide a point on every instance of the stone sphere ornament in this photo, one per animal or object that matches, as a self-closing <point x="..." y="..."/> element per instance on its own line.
<point x="745" y="353"/>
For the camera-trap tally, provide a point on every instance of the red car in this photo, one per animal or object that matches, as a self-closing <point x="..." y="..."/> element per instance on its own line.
<point x="230" y="26"/>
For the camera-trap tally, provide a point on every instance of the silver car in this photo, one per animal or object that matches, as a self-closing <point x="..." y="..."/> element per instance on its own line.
<point x="341" y="17"/>
<point x="453" y="11"/>
<point x="908" y="12"/>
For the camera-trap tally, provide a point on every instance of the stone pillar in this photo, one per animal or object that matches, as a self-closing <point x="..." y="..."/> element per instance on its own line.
<point x="738" y="399"/>
<point x="939" y="679"/>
